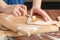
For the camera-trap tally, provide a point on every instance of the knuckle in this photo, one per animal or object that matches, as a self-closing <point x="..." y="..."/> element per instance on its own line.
<point x="13" y="11"/>
<point x="17" y="5"/>
<point x="25" y="6"/>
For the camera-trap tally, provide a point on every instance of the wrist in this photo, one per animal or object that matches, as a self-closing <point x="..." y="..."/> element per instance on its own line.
<point x="2" y="8"/>
<point x="36" y="7"/>
<point x="37" y="3"/>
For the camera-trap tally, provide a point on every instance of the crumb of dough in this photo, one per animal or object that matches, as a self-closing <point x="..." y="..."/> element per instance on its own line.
<point x="34" y="18"/>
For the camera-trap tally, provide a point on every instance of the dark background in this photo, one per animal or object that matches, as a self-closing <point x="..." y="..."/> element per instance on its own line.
<point x="46" y="5"/>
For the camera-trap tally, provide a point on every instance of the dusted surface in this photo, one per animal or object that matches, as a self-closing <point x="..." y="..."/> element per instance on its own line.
<point x="47" y="36"/>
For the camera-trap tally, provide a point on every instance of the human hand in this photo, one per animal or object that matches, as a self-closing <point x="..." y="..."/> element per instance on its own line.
<point x="41" y="13"/>
<point x="16" y="10"/>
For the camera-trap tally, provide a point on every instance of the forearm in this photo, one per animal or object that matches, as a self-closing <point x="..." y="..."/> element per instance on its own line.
<point x="2" y="5"/>
<point x="37" y="3"/>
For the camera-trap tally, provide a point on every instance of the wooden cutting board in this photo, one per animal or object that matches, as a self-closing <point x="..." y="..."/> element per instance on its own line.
<point x="10" y="21"/>
<point x="18" y="25"/>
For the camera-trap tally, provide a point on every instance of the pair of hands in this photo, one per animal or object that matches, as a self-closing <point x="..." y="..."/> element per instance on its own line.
<point x="19" y="10"/>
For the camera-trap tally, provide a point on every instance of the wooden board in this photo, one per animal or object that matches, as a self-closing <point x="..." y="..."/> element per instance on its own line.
<point x="9" y="33"/>
<point x="42" y="29"/>
<point x="13" y="23"/>
<point x="54" y="14"/>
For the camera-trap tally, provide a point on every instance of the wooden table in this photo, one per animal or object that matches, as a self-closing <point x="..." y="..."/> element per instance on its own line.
<point x="54" y="14"/>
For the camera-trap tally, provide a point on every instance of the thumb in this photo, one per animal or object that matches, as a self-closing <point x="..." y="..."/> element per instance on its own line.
<point x="31" y="12"/>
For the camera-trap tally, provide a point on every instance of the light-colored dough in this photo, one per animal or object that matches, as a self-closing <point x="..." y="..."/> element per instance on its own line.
<point x="18" y="25"/>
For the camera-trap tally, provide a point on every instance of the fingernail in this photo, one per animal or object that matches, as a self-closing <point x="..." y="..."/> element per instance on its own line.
<point x="31" y="14"/>
<point x="46" y="19"/>
<point x="16" y="15"/>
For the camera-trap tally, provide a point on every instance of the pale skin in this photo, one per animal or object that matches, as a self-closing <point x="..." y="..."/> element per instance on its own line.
<point x="19" y="9"/>
<point x="36" y="8"/>
<point x="16" y="10"/>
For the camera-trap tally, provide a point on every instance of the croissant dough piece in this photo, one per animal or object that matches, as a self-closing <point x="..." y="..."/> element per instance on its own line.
<point x="40" y="22"/>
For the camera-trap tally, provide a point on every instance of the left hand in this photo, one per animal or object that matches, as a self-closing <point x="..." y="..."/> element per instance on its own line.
<point x="40" y="12"/>
<point x="17" y="10"/>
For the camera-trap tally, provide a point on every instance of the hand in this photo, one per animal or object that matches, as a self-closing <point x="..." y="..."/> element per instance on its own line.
<point x="41" y="13"/>
<point x="16" y="10"/>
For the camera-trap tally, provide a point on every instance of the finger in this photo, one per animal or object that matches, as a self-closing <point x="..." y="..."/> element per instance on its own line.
<point x="14" y="13"/>
<point x="46" y="16"/>
<point x="22" y="8"/>
<point x="22" y="11"/>
<point x="31" y="12"/>
<point x="43" y="14"/>
<point x="18" y="12"/>
<point x="25" y="8"/>
<point x="25" y="13"/>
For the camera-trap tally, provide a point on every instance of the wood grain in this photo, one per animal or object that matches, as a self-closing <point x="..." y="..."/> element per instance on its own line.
<point x="53" y="14"/>
<point x="11" y="22"/>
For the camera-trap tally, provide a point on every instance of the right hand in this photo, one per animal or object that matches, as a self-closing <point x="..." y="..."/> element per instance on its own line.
<point x="16" y="10"/>
<point x="41" y="13"/>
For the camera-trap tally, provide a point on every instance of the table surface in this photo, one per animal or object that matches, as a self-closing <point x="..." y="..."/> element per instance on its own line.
<point x="47" y="36"/>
